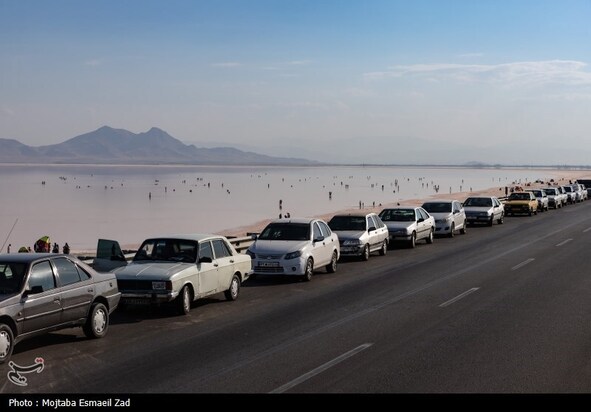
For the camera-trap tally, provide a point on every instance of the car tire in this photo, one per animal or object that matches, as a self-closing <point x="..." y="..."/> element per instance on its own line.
<point x="97" y="323"/>
<point x="384" y="248"/>
<point x="501" y="220"/>
<point x="413" y="240"/>
<point x="492" y="220"/>
<point x="463" y="229"/>
<point x="308" y="271"/>
<point x="332" y="266"/>
<point x="183" y="301"/>
<point x="365" y="254"/>
<point x="6" y="342"/>
<point x="530" y="212"/>
<point x="234" y="289"/>
<point x="452" y="230"/>
<point x="430" y="237"/>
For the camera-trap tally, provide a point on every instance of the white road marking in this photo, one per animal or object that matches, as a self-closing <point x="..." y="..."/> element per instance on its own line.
<point x="463" y="295"/>
<point x="586" y="230"/>
<point x="522" y="264"/>
<point x="321" y="368"/>
<point x="564" y="242"/>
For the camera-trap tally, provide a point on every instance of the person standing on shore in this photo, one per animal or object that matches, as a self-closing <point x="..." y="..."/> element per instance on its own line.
<point x="8" y="248"/>
<point x="66" y="249"/>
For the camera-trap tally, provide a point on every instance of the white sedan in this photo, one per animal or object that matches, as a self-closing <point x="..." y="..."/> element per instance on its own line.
<point x="178" y="268"/>
<point x="295" y="247"/>
<point x="409" y="224"/>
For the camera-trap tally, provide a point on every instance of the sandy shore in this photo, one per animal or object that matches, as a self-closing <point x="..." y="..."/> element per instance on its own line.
<point x="560" y="178"/>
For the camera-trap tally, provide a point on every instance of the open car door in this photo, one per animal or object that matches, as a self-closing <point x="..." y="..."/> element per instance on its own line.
<point x="108" y="256"/>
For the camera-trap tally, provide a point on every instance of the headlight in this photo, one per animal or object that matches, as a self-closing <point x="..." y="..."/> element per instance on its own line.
<point x="158" y="285"/>
<point x="351" y="242"/>
<point x="293" y="255"/>
<point x="251" y="254"/>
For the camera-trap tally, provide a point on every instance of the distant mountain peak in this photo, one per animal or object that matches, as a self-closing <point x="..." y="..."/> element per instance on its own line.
<point x="108" y="145"/>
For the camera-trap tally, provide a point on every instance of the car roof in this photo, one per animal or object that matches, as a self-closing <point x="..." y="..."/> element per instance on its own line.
<point x="440" y="201"/>
<point x="27" y="257"/>
<point x="480" y="197"/>
<point x="191" y="236"/>
<point x="296" y="220"/>
<point x="355" y="214"/>
<point x="401" y="207"/>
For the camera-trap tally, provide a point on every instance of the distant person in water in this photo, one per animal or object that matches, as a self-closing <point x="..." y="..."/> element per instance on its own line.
<point x="56" y="248"/>
<point x="66" y="249"/>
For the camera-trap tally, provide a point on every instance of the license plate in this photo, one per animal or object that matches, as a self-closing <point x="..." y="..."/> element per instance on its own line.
<point x="269" y="264"/>
<point x="135" y="301"/>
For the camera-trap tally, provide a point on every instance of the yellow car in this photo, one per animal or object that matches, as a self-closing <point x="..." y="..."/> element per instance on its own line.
<point x="521" y="202"/>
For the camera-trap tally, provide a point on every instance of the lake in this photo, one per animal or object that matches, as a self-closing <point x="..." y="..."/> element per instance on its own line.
<point x="80" y="203"/>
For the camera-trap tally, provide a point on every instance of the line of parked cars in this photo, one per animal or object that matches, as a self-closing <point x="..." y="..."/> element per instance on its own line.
<point x="40" y="293"/>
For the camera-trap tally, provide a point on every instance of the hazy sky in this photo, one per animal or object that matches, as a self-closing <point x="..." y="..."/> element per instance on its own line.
<point x="310" y="73"/>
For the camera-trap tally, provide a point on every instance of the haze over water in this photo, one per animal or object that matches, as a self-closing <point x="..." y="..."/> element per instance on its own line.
<point x="79" y="204"/>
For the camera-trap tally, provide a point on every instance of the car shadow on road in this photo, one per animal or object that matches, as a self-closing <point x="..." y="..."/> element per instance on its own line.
<point x="274" y="280"/>
<point x="50" y="339"/>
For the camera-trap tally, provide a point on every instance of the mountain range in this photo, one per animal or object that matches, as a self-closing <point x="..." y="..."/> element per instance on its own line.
<point x="118" y="146"/>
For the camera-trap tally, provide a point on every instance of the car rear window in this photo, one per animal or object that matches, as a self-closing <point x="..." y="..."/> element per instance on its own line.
<point x="286" y="231"/>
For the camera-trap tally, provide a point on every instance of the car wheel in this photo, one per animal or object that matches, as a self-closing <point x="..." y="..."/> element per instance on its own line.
<point x="97" y="322"/>
<point x="332" y="266"/>
<point x="365" y="254"/>
<point x="463" y="229"/>
<point x="413" y="240"/>
<point x="530" y="212"/>
<point x="536" y="212"/>
<point x="492" y="220"/>
<point x="309" y="270"/>
<point x="430" y="237"/>
<point x="183" y="301"/>
<point x="384" y="248"/>
<point x="234" y="290"/>
<point x="501" y="220"/>
<point x="452" y="230"/>
<point x="6" y="342"/>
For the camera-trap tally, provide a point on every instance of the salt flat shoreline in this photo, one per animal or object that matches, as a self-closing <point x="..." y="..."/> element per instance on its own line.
<point x="560" y="177"/>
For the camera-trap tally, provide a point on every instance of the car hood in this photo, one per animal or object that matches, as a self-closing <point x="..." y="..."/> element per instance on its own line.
<point x="478" y="209"/>
<point x="349" y="234"/>
<point x="276" y="247"/>
<point x="9" y="299"/>
<point x="399" y="225"/>
<point x="441" y="215"/>
<point x="154" y="271"/>
<point x="517" y="202"/>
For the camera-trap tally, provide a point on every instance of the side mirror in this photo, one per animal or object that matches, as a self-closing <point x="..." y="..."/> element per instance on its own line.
<point x="205" y="259"/>
<point x="420" y="220"/>
<point x="371" y="229"/>
<point x="34" y="290"/>
<point x="318" y="239"/>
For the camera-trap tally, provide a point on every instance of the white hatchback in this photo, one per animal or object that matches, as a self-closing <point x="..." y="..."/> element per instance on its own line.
<point x="295" y="247"/>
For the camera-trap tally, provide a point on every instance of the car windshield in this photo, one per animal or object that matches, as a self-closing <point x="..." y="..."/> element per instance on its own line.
<point x="551" y="192"/>
<point x="173" y="250"/>
<point x="437" y="207"/>
<point x="11" y="277"/>
<point x="568" y="189"/>
<point x="286" y="231"/>
<point x="347" y="223"/>
<point x="398" y="215"/>
<point x="519" y="196"/>
<point x="478" y="202"/>
<point x="537" y="193"/>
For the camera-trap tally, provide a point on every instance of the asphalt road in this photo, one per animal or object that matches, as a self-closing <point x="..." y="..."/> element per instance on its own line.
<point x="500" y="309"/>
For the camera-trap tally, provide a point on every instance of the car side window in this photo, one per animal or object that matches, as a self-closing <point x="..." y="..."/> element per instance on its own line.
<point x="496" y="203"/>
<point x="421" y="214"/>
<point x="67" y="271"/>
<point x="369" y="222"/>
<point x="42" y="275"/>
<point x="221" y="249"/>
<point x="316" y="231"/>
<point x="326" y="232"/>
<point x="205" y="250"/>
<point x="379" y="222"/>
